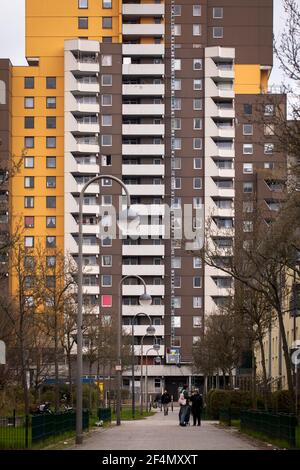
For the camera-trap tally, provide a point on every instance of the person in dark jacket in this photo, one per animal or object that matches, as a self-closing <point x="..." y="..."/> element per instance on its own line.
<point x="197" y="406"/>
<point x="165" y="400"/>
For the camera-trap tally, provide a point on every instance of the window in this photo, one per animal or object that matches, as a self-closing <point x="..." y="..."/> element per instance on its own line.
<point x="51" y="162"/>
<point x="197" y="202"/>
<point x="177" y="10"/>
<point x="106" y="100"/>
<point x="106" y="280"/>
<point x="197" y="104"/>
<point x="269" y="165"/>
<point x="107" y="22"/>
<point x="197" y="143"/>
<point x="197" y="282"/>
<point x="51" y="83"/>
<point x="29" y="102"/>
<point x="196" y="339"/>
<point x="269" y="110"/>
<point x="176" y="322"/>
<point x="177" y="282"/>
<point x="197" y="322"/>
<point x="177" y="302"/>
<point x="50" y="261"/>
<point x="106" y="80"/>
<point x="106" y="182"/>
<point x="248" y="187"/>
<point x="196" y="10"/>
<point x="29" y="262"/>
<point x="106" y="60"/>
<point x="106" y="160"/>
<point x="218" y="32"/>
<point x="106" y="241"/>
<point x="51" y="202"/>
<point x="50" y="281"/>
<point x="51" y="122"/>
<point x="51" y="142"/>
<point x="268" y="149"/>
<point x="29" y="242"/>
<point x="197" y="262"/>
<point x="177" y="30"/>
<point x="29" y="142"/>
<point x="197" y="123"/>
<point x="247" y="149"/>
<point x="50" y="181"/>
<point x="177" y="163"/>
<point x="247" y="226"/>
<point x="247" y="129"/>
<point x="50" y="102"/>
<point x="51" y="222"/>
<point x="247" y="168"/>
<point x="197" y="183"/>
<point x="83" y="3"/>
<point x="177" y="183"/>
<point x="177" y="144"/>
<point x="198" y="84"/>
<point x="106" y="120"/>
<point x="177" y="64"/>
<point x="176" y="104"/>
<point x="106" y="140"/>
<point x="106" y="301"/>
<point x="106" y="3"/>
<point x="177" y="84"/>
<point x="29" y="182"/>
<point x="50" y="242"/>
<point x="29" y="221"/>
<point x="83" y="22"/>
<point x="106" y="260"/>
<point x="197" y="302"/>
<point x="247" y="206"/>
<point x="197" y="163"/>
<point x="176" y="123"/>
<point x="29" y="122"/>
<point x="196" y="29"/>
<point x="247" y="109"/>
<point x="29" y="162"/>
<point x="107" y="39"/>
<point x="218" y="13"/>
<point x="197" y="64"/>
<point x="269" y="129"/>
<point x="176" y="262"/>
<point x="28" y="202"/>
<point x="29" y="82"/>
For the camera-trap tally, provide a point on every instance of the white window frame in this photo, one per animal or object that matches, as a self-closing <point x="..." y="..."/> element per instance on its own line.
<point x="218" y="17"/>
<point x="197" y="30"/>
<point x="195" y="165"/>
<point x="194" y="183"/>
<point x="247" y="168"/>
<point x="195" y="62"/>
<point x="244" y="129"/>
<point x="102" y="120"/>
<point x="199" y="80"/>
<point x="102" y="140"/>
<point x="218" y="32"/>
<point x="197" y="10"/>
<point x="249" y="147"/>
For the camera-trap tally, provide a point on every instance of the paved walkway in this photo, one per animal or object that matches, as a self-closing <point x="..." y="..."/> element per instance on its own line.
<point x="160" y="432"/>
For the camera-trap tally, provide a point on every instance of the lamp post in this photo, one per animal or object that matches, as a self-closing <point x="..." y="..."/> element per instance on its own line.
<point x="132" y="359"/>
<point x="145" y="299"/>
<point x="155" y="347"/>
<point x="150" y="332"/>
<point x="131" y="215"/>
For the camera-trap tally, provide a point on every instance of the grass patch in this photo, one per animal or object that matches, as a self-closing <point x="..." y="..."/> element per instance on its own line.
<point x="126" y="414"/>
<point x="14" y="437"/>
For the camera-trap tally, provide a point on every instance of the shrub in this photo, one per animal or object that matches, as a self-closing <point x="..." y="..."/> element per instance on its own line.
<point x="281" y="402"/>
<point x="218" y="399"/>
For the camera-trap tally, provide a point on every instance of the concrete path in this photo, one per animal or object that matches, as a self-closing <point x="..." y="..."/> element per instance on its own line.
<point x="161" y="432"/>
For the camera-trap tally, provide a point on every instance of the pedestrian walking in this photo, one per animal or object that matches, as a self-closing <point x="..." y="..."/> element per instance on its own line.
<point x="165" y="400"/>
<point x="184" y="406"/>
<point x="197" y="406"/>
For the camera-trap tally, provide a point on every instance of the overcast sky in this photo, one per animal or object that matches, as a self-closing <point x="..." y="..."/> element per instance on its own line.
<point x="12" y="32"/>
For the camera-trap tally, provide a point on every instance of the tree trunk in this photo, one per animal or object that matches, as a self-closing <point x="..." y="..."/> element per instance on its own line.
<point x="56" y="364"/>
<point x="286" y="358"/>
<point x="254" y="394"/>
<point x="265" y="378"/>
<point x="90" y="386"/>
<point x="70" y="376"/>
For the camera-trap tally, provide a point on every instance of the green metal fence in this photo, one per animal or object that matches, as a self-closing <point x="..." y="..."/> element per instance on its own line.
<point x="15" y="432"/>
<point x="226" y="415"/>
<point x="279" y="426"/>
<point x="47" y="426"/>
<point x="104" y="414"/>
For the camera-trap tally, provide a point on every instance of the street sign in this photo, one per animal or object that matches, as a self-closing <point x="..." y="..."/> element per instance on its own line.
<point x="2" y="353"/>
<point x="118" y="367"/>
<point x="295" y="357"/>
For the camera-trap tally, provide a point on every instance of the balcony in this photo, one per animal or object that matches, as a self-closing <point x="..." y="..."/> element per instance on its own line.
<point x="138" y="290"/>
<point x="143" y="49"/>
<point x="138" y="352"/>
<point x="220" y="90"/>
<point x="218" y="111"/>
<point x="143" y="270"/>
<point x="146" y="189"/>
<point x="143" y="9"/>
<point x="221" y="130"/>
<point x="143" y="129"/>
<point x="142" y="170"/>
<point x="144" y="90"/>
<point x="143" y="149"/>
<point x="155" y="310"/>
<point x="140" y="330"/>
<point x="82" y="45"/>
<point x="144" y="29"/>
<point x="143" y="109"/>
<point x="218" y="149"/>
<point x="91" y="290"/>
<point x="143" y="69"/>
<point x="143" y="250"/>
<point x="146" y="231"/>
<point x="218" y="70"/>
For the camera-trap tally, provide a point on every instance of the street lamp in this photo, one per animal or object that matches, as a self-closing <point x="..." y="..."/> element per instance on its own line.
<point x="144" y="299"/>
<point x="131" y="215"/>
<point x="156" y="348"/>
<point x="149" y="332"/>
<point x="132" y="353"/>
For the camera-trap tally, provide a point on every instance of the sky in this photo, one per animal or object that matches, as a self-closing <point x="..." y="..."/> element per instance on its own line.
<point x="12" y="33"/>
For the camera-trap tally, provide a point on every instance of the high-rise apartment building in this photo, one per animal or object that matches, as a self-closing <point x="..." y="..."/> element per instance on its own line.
<point x="164" y="95"/>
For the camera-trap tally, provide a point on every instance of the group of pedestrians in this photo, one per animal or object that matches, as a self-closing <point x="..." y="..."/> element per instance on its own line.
<point x="189" y="404"/>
